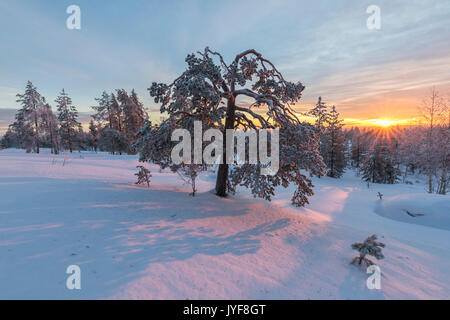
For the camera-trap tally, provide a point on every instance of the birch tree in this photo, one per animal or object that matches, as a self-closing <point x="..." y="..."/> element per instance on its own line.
<point x="430" y="110"/>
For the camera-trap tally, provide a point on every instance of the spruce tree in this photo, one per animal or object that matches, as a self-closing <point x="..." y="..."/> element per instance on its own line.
<point x="68" y="120"/>
<point x="20" y="133"/>
<point x="390" y="172"/>
<point x="133" y="115"/>
<point x="369" y="169"/>
<point x="116" y="114"/>
<point x="28" y="118"/>
<point x="320" y="113"/>
<point x="334" y="145"/>
<point x="113" y="141"/>
<point x="379" y="166"/>
<point x="103" y="111"/>
<point x="50" y="126"/>
<point x="109" y="116"/>
<point x="93" y="132"/>
<point x="358" y="140"/>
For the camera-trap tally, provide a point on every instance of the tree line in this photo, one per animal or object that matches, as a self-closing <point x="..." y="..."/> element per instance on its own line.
<point x="389" y="155"/>
<point x="113" y="127"/>
<point x="396" y="154"/>
<point x="211" y="91"/>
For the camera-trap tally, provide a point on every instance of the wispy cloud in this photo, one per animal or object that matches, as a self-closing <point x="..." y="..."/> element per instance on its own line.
<point x="324" y="44"/>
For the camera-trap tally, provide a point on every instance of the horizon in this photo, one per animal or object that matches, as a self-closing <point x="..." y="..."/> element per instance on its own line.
<point x="7" y="117"/>
<point x="371" y="76"/>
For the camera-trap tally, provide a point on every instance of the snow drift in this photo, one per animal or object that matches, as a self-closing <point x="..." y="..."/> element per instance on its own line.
<point x="430" y="210"/>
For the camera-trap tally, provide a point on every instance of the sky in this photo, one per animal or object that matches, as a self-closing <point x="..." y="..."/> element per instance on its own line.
<point x="367" y="74"/>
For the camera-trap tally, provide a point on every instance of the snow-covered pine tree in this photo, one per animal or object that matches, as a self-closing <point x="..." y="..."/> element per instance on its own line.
<point x="68" y="121"/>
<point x="27" y="120"/>
<point x="113" y="141"/>
<point x="109" y="114"/>
<point x="108" y="118"/>
<point x="135" y="119"/>
<point x="104" y="115"/>
<point x="210" y="90"/>
<point x="117" y="117"/>
<point x="391" y="170"/>
<point x="133" y="115"/>
<point x="334" y="145"/>
<point x="408" y="149"/>
<point x="379" y="166"/>
<point x="154" y="142"/>
<point x="20" y="133"/>
<point x="320" y="113"/>
<point x="50" y="127"/>
<point x="370" y="247"/>
<point x="93" y="135"/>
<point x="359" y="144"/>
<point x="6" y="140"/>
<point x="82" y="139"/>
<point x="371" y="166"/>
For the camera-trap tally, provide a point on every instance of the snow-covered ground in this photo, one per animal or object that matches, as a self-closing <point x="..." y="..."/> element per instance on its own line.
<point x="161" y="243"/>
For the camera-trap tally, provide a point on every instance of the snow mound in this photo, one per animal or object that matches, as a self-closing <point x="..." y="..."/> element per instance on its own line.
<point x="430" y="210"/>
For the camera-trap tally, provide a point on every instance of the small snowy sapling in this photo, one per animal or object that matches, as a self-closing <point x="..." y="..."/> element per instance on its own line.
<point x="369" y="247"/>
<point x="143" y="175"/>
<point x="189" y="174"/>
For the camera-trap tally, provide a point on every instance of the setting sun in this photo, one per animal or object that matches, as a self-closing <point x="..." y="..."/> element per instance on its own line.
<point x="384" y="123"/>
<point x="379" y="122"/>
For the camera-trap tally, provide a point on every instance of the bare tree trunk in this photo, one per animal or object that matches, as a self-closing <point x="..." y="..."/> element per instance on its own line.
<point x="53" y="149"/>
<point x="430" y="114"/>
<point x="430" y="182"/>
<point x="222" y="174"/>
<point x="37" y="133"/>
<point x="430" y="150"/>
<point x="443" y="184"/>
<point x="194" y="188"/>
<point x="332" y="156"/>
<point x="221" y="182"/>
<point x="445" y="160"/>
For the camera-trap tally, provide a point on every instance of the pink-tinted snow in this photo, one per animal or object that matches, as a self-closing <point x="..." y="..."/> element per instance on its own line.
<point x="160" y="243"/>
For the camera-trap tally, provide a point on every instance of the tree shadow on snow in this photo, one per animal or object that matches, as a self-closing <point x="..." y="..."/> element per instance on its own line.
<point x="112" y="231"/>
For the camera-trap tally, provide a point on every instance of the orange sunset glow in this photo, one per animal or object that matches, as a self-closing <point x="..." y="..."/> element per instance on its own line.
<point x="384" y="123"/>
